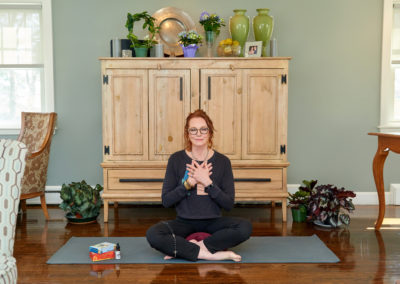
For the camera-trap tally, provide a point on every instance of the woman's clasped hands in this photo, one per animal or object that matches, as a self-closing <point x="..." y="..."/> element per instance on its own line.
<point x="199" y="174"/>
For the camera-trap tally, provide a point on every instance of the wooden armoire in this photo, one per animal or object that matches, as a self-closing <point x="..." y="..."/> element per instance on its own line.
<point x="146" y="101"/>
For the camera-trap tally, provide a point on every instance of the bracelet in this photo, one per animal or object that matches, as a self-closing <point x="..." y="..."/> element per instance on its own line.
<point x="187" y="185"/>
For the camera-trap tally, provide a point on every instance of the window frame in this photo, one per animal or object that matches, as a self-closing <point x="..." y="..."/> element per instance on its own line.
<point x="48" y="75"/>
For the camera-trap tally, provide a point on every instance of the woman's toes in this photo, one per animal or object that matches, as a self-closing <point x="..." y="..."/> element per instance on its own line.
<point x="236" y="257"/>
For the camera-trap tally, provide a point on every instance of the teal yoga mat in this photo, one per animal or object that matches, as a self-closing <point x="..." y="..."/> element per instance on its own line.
<point x="307" y="249"/>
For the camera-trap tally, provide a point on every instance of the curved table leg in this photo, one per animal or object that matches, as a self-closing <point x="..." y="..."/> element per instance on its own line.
<point x="377" y="166"/>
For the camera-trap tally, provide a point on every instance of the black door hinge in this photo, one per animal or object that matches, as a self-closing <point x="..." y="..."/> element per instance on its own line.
<point x="106" y="150"/>
<point x="105" y="79"/>
<point x="283" y="149"/>
<point x="283" y="79"/>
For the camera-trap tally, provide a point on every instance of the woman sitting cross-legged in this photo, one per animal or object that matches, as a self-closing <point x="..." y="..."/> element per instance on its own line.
<point x="199" y="183"/>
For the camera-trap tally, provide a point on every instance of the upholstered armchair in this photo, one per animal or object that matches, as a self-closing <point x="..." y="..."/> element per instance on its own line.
<point x="12" y="165"/>
<point x="36" y="133"/>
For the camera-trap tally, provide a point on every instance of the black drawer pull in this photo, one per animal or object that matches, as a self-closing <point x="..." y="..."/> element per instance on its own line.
<point x="254" y="179"/>
<point x="141" y="180"/>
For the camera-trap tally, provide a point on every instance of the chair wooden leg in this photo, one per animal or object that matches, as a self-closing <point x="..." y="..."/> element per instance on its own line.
<point x="44" y="206"/>
<point x="23" y="205"/>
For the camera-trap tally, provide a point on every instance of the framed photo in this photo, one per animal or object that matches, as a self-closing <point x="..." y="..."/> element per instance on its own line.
<point x="253" y="49"/>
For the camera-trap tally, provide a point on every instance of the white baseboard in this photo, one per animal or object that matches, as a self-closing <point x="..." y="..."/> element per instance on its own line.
<point x="362" y="198"/>
<point x="367" y="198"/>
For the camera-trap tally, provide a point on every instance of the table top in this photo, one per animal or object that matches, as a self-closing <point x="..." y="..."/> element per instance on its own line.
<point x="386" y="134"/>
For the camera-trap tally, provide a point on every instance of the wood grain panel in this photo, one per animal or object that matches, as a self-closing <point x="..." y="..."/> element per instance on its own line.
<point x="220" y="98"/>
<point x="169" y="98"/>
<point x="114" y="177"/>
<point x="261" y="117"/>
<point x="256" y="187"/>
<point x="128" y="115"/>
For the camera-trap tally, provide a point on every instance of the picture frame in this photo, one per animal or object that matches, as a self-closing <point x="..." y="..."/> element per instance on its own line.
<point x="253" y="49"/>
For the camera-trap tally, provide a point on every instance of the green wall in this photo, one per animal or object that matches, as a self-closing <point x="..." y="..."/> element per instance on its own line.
<point x="334" y="83"/>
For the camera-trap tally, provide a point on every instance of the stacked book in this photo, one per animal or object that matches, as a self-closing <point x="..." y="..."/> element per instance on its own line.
<point x="102" y="251"/>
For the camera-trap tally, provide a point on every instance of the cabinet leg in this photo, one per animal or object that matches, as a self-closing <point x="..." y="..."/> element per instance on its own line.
<point x="105" y="211"/>
<point x="284" y="209"/>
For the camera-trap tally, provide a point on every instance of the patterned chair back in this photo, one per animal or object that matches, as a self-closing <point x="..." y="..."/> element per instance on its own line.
<point x="12" y="167"/>
<point x="36" y="133"/>
<point x="35" y="129"/>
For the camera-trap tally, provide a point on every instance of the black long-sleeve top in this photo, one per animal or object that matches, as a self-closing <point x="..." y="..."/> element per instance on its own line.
<point x="188" y="204"/>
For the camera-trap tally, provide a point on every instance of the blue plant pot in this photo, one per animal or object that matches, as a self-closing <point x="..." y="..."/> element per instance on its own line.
<point x="190" y="50"/>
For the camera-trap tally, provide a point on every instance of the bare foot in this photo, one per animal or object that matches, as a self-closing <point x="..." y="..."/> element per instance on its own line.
<point x="204" y="253"/>
<point x="234" y="256"/>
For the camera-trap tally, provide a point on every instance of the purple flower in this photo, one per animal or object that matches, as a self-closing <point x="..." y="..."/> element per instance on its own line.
<point x="204" y="16"/>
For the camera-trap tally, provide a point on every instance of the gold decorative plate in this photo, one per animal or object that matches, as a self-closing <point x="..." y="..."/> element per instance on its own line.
<point x="172" y="21"/>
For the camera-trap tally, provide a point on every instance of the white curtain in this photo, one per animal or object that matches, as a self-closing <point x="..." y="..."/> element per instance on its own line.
<point x="21" y="62"/>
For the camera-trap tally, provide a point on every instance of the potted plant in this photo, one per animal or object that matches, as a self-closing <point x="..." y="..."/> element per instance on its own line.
<point x="189" y="41"/>
<point x="81" y="202"/>
<point x="328" y="205"/>
<point x="141" y="46"/>
<point x="212" y="25"/>
<point x="299" y="202"/>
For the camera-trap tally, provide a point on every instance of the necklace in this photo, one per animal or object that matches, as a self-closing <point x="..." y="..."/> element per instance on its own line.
<point x="194" y="158"/>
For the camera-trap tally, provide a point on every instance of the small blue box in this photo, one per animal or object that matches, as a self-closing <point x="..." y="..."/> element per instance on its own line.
<point x="102" y="247"/>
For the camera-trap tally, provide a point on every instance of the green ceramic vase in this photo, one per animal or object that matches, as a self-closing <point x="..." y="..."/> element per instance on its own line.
<point x="263" y="25"/>
<point x="239" y="27"/>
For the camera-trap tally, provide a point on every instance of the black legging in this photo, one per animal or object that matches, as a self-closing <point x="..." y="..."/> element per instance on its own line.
<point x="169" y="236"/>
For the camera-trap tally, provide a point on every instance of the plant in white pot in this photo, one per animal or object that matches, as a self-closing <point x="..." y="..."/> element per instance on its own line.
<point x="328" y="205"/>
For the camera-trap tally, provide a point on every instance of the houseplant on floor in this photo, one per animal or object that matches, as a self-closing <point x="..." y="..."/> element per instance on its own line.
<point x="141" y="46"/>
<point x="328" y="205"/>
<point x="81" y="202"/>
<point x="299" y="202"/>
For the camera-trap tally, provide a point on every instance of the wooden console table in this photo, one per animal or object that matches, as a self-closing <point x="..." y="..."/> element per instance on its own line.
<point x="386" y="142"/>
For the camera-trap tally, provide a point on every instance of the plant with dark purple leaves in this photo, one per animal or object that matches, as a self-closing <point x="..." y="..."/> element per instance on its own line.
<point x="328" y="204"/>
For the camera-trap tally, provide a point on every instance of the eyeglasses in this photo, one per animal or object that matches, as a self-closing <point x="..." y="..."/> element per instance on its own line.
<point x="194" y="131"/>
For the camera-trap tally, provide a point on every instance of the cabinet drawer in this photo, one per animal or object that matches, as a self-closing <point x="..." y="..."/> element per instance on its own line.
<point x="140" y="179"/>
<point x="255" y="182"/>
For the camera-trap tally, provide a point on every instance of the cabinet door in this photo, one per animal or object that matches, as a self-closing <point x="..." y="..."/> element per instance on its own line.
<point x="169" y="104"/>
<point x="220" y="97"/>
<point x="264" y="114"/>
<point x="125" y="120"/>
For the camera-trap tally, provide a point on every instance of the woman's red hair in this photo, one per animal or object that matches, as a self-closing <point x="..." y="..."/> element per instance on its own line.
<point x="203" y="115"/>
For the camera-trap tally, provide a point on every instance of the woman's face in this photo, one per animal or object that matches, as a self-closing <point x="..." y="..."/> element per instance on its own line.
<point x="198" y="132"/>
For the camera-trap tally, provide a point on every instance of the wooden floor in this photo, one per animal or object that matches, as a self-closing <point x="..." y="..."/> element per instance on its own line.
<point x="366" y="256"/>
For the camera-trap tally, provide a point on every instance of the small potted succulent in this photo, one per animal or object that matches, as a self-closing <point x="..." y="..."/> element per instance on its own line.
<point x="328" y="205"/>
<point x="141" y="46"/>
<point x="189" y="42"/>
<point x="299" y="202"/>
<point x="81" y="202"/>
